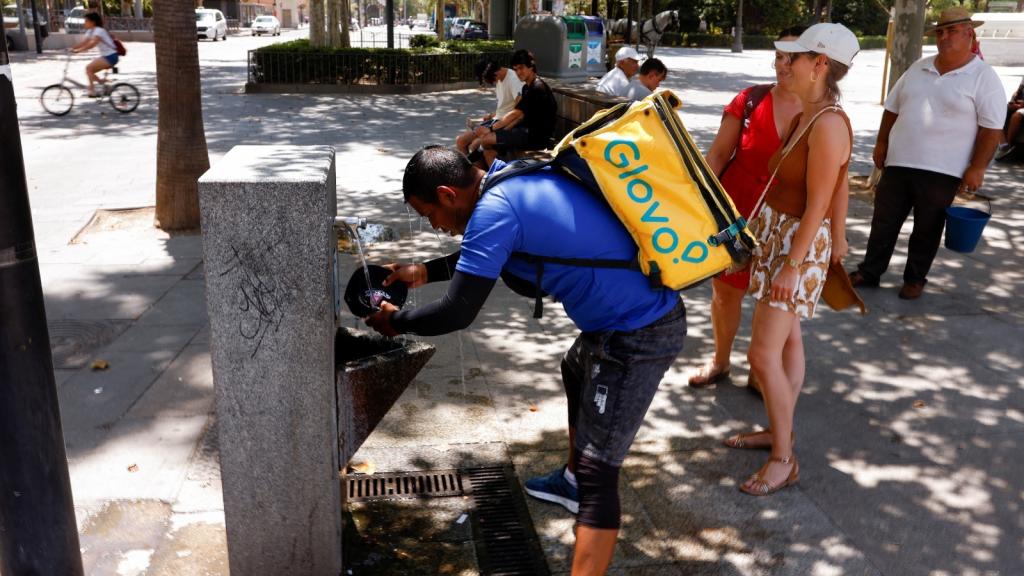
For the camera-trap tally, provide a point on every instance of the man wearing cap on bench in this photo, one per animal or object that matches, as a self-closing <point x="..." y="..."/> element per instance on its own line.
<point x="616" y="81"/>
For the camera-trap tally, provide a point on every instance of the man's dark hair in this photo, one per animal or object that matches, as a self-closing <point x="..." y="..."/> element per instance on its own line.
<point x="792" y="31"/>
<point x="94" y="18"/>
<point x="435" y="166"/>
<point x="653" y="65"/>
<point x="524" y="57"/>
<point x="487" y="71"/>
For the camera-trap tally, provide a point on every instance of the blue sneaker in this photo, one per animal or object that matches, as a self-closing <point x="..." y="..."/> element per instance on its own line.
<point x="556" y="489"/>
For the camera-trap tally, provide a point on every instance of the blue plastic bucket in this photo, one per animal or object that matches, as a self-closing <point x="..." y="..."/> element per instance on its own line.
<point x="964" y="227"/>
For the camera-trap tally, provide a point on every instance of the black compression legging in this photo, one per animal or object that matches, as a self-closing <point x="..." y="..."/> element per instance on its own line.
<point x="599" y="493"/>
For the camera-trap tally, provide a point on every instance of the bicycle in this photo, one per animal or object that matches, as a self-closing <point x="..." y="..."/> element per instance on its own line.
<point x="58" y="99"/>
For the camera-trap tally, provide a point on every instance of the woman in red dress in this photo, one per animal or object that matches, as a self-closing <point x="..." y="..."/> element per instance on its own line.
<point x="739" y="156"/>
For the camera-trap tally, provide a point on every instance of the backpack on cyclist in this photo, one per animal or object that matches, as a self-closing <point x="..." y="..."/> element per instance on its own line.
<point x="119" y="46"/>
<point x="640" y="158"/>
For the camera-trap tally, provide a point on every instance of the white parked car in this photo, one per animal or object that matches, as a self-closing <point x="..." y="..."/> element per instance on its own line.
<point x="266" y="25"/>
<point x="74" y="22"/>
<point x="459" y="26"/>
<point x="211" y="24"/>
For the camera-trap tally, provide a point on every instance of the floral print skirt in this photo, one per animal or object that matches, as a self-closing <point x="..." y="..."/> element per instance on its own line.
<point x="774" y="232"/>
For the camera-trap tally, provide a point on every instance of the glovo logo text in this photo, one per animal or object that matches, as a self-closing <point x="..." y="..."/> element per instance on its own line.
<point x="625" y="156"/>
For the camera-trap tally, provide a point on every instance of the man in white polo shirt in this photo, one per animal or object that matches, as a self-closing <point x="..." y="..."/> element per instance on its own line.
<point x="942" y="123"/>
<point x="616" y="81"/>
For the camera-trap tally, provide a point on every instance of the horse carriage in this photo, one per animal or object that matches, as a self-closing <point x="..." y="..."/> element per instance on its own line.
<point x="647" y="33"/>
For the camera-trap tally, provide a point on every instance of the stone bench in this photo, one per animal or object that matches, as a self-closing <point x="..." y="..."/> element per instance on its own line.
<point x="577" y="103"/>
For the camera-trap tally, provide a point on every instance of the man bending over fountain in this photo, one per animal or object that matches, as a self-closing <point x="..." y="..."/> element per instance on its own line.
<point x="630" y="333"/>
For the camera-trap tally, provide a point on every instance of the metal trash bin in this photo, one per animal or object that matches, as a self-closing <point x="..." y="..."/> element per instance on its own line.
<point x="595" y="45"/>
<point x="557" y="42"/>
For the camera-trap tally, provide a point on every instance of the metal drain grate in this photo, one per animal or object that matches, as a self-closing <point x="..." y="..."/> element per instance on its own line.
<point x="433" y="484"/>
<point x="73" y="342"/>
<point x="506" y="544"/>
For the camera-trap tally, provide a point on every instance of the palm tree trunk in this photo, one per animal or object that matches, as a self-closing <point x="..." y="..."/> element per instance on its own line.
<point x="908" y="36"/>
<point x="181" y="155"/>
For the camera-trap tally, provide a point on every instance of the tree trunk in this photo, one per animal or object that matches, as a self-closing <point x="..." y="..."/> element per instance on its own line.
<point x="333" y="24"/>
<point x="908" y="36"/>
<point x="814" y="13"/>
<point x="317" y="36"/>
<point x="346" y="19"/>
<point x="181" y="156"/>
<point x="439" y="20"/>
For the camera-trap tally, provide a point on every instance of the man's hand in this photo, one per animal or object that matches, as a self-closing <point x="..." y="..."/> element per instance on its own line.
<point x="973" y="177"/>
<point x="879" y="154"/>
<point x="381" y="321"/>
<point x="413" y="275"/>
<point x="488" y="117"/>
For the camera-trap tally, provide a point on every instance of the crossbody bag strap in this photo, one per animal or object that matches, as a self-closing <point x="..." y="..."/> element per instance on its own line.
<point x="790" y="144"/>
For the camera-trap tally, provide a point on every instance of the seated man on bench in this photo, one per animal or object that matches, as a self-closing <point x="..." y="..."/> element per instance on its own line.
<point x="1013" y="129"/>
<point x="528" y="126"/>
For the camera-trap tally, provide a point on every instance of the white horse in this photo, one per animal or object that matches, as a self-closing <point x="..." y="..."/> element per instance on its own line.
<point x="650" y="30"/>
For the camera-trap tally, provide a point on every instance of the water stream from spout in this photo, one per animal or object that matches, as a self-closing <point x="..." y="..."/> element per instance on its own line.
<point x="373" y="296"/>
<point x="462" y="354"/>
<point x="411" y="299"/>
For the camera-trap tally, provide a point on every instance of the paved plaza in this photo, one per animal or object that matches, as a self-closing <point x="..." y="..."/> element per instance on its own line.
<point x="909" y="428"/>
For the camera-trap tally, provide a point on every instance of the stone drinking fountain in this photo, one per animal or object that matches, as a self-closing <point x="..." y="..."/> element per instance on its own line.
<point x="296" y="394"/>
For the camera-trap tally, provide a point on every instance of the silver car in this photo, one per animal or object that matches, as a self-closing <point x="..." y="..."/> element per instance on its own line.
<point x="266" y="25"/>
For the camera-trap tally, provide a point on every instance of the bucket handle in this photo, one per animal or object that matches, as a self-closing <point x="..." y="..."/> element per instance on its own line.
<point x="970" y="197"/>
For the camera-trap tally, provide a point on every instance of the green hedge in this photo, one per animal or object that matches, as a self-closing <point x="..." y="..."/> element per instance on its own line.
<point x="692" y="40"/>
<point x="296" y="62"/>
<point x="448" y="47"/>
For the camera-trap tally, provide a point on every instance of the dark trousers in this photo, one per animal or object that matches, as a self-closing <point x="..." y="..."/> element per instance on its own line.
<point x="899" y="191"/>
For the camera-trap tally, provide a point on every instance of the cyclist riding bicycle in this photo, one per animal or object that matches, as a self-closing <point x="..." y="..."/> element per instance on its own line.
<point x="97" y="36"/>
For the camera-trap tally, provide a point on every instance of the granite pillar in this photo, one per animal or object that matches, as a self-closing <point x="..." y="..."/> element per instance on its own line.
<point x="267" y="220"/>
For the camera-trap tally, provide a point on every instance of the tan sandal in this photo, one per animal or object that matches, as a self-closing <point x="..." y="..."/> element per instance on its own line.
<point x="760" y="487"/>
<point x="708" y="377"/>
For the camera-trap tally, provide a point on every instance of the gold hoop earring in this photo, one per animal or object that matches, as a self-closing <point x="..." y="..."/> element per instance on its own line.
<point x="814" y="77"/>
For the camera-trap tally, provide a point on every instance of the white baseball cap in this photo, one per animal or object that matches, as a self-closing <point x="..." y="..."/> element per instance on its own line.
<point x="833" y="40"/>
<point x="626" y="52"/>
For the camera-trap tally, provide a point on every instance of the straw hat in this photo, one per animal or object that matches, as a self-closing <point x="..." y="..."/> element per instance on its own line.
<point x="952" y="17"/>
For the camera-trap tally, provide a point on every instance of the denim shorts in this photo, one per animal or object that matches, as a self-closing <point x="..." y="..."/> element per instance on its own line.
<point x="617" y="374"/>
<point x="516" y="138"/>
<point x="111" y="59"/>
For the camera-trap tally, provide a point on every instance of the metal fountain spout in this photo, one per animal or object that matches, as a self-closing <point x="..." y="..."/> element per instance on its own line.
<point x="350" y="224"/>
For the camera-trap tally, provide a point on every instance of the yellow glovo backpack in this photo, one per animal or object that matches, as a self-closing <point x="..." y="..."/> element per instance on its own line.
<point x="641" y="159"/>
